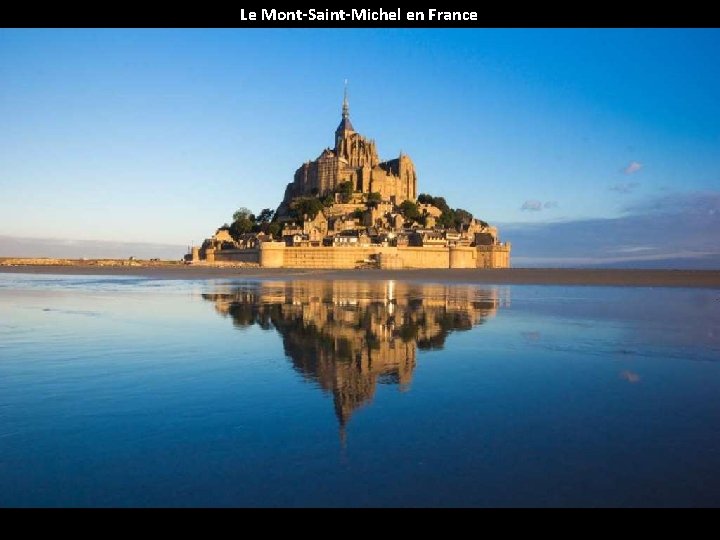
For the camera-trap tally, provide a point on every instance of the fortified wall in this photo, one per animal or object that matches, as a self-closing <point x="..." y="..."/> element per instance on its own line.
<point x="279" y="255"/>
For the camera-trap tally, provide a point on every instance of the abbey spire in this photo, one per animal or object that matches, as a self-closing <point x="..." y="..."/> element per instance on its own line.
<point x="346" y="104"/>
<point x="345" y="129"/>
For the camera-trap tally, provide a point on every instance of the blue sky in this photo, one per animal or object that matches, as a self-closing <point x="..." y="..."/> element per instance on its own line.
<point x="159" y="135"/>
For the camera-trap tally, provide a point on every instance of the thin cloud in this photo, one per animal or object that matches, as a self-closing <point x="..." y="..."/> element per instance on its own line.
<point x="638" y="249"/>
<point x="695" y="203"/>
<point x="532" y="206"/>
<point x="625" y="187"/>
<point x="676" y="230"/>
<point x="634" y="167"/>
<point x="539" y="206"/>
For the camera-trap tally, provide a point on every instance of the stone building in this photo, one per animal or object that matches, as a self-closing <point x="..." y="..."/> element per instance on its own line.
<point x="354" y="159"/>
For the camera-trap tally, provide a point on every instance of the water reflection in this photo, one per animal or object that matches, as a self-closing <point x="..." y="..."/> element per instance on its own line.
<point x="117" y="393"/>
<point x="349" y="337"/>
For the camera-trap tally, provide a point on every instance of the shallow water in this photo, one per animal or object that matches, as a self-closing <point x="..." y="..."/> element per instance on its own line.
<point x="133" y="392"/>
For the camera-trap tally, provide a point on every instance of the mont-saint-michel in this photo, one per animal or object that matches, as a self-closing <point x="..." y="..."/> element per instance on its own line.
<point x="353" y="333"/>
<point x="349" y="209"/>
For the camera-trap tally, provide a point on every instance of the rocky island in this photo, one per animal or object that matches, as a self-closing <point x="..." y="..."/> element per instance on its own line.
<point x="348" y="209"/>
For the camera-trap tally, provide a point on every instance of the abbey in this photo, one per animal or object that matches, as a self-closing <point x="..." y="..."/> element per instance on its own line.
<point x="354" y="159"/>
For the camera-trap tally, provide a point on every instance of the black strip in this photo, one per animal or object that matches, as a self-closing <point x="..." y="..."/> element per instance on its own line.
<point x="539" y="14"/>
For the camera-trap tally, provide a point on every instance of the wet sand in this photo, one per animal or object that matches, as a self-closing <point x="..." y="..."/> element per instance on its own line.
<point x="519" y="276"/>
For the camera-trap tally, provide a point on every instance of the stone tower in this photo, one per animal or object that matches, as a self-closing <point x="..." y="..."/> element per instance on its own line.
<point x="351" y="147"/>
<point x="345" y="129"/>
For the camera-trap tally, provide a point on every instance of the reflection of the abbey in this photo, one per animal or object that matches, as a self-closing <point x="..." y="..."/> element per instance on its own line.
<point x="349" y="336"/>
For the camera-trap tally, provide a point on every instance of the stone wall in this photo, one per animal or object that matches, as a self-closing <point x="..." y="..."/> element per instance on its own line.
<point x="463" y="257"/>
<point x="277" y="255"/>
<point x="272" y="255"/>
<point x="493" y="256"/>
<point x="251" y="256"/>
<point x="331" y="257"/>
<point x="424" y="257"/>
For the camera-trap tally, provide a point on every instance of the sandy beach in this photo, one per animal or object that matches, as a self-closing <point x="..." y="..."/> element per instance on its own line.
<point x="519" y="276"/>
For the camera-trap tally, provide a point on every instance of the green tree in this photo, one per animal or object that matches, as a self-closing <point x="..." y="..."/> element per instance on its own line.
<point x="424" y="198"/>
<point x="438" y="202"/>
<point x="274" y="230"/>
<point x="243" y="223"/>
<point x="346" y="190"/>
<point x="328" y="201"/>
<point x="410" y="210"/>
<point x="306" y="206"/>
<point x="266" y="216"/>
<point x="241" y="226"/>
<point x="241" y="214"/>
<point x="441" y="204"/>
<point x="447" y="219"/>
<point x="374" y="199"/>
<point x="462" y="217"/>
<point x="450" y="218"/>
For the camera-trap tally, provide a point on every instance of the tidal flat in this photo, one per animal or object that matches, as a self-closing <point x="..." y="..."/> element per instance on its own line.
<point x="279" y="390"/>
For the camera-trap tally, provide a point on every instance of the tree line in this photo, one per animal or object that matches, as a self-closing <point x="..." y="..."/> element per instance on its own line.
<point x="245" y="222"/>
<point x="451" y="218"/>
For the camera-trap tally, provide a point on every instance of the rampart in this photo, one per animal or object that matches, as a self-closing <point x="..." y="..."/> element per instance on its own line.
<point x="278" y="255"/>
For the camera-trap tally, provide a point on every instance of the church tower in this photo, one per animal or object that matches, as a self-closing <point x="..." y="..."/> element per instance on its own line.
<point x="345" y="130"/>
<point x="351" y="147"/>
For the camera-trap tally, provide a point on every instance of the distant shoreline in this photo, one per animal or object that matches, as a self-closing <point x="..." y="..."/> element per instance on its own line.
<point x="516" y="276"/>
